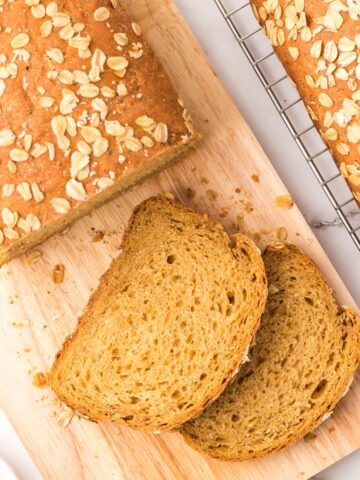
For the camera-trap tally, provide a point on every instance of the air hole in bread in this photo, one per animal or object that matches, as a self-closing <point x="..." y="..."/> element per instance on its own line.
<point x="176" y="394"/>
<point x="309" y="300"/>
<point x="135" y="400"/>
<point x="128" y="418"/>
<point x="235" y="417"/>
<point x="171" y="259"/>
<point x="203" y="376"/>
<point x="231" y="298"/>
<point x="244" y="252"/>
<point x="319" y="390"/>
<point x="115" y="352"/>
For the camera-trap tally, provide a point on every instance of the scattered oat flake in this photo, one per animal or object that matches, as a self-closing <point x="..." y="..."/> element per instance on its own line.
<point x="58" y="273"/>
<point x="281" y="234"/>
<point x="40" y="380"/>
<point x="284" y="201"/>
<point x="65" y="417"/>
<point x="33" y="257"/>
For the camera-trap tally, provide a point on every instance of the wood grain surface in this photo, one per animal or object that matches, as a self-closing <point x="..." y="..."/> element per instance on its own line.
<point x="37" y="314"/>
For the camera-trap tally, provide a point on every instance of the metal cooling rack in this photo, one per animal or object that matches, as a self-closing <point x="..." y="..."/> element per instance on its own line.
<point x="241" y="21"/>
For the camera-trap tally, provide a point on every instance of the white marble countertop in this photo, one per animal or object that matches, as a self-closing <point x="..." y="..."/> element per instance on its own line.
<point x="239" y="78"/>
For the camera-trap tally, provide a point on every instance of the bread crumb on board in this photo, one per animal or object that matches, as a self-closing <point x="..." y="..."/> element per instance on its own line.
<point x="309" y="437"/>
<point x="97" y="236"/>
<point x="255" y="178"/>
<point x="40" y="380"/>
<point x="211" y="195"/>
<point x="58" y="274"/>
<point x="284" y="202"/>
<point x="190" y="193"/>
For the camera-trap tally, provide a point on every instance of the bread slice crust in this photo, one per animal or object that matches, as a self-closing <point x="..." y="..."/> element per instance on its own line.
<point x="183" y="268"/>
<point x="251" y="419"/>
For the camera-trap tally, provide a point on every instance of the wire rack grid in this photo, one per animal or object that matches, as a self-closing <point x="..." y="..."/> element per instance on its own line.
<point x="249" y="36"/>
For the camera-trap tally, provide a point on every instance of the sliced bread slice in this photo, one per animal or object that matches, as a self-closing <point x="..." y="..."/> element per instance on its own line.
<point x="301" y="363"/>
<point x="169" y="324"/>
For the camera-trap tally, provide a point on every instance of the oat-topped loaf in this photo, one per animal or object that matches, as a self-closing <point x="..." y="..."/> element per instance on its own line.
<point x="86" y="110"/>
<point x="318" y="42"/>
<point x="169" y="324"/>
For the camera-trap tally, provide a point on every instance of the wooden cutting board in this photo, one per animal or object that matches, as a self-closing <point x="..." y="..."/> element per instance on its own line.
<point x="221" y="175"/>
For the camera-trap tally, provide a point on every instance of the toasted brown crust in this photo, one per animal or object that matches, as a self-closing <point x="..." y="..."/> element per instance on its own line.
<point x="297" y="52"/>
<point x="346" y="317"/>
<point x="29" y="206"/>
<point x="242" y="242"/>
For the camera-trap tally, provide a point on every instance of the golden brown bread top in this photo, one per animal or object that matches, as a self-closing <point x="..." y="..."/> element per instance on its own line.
<point x="83" y="101"/>
<point x="318" y="42"/>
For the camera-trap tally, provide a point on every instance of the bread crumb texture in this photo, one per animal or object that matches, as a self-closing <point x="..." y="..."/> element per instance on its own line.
<point x="301" y="361"/>
<point x="169" y="324"/>
<point x="84" y="104"/>
<point x="318" y="42"/>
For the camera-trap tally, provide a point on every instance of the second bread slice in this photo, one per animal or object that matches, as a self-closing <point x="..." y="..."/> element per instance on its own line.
<point x="304" y="356"/>
<point x="168" y="326"/>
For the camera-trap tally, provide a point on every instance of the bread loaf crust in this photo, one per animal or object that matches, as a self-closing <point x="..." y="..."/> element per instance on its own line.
<point x="87" y="111"/>
<point x="318" y="43"/>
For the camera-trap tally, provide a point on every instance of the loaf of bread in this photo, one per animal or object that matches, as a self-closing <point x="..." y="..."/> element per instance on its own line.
<point x="301" y="363"/>
<point x="86" y="111"/>
<point x="169" y="324"/>
<point x="318" y="42"/>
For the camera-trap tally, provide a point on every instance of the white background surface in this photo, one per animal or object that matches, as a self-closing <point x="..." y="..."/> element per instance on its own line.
<point x="238" y="76"/>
